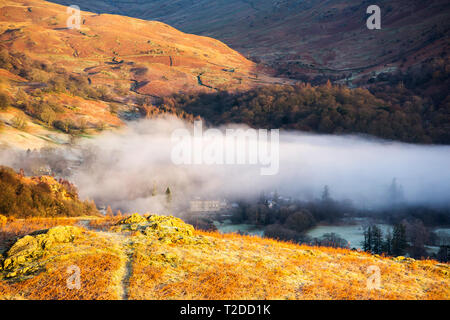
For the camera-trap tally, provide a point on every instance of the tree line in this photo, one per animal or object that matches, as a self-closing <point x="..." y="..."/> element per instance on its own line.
<point x="330" y="109"/>
<point x="405" y="238"/>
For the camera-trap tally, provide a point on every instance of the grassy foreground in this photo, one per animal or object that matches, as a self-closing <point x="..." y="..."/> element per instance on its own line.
<point x="156" y="257"/>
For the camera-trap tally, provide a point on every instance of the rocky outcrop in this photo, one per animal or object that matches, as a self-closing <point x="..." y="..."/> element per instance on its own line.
<point x="22" y="258"/>
<point x="166" y="229"/>
<point x="135" y="218"/>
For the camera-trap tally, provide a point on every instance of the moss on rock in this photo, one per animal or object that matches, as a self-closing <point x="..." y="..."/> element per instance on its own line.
<point x="22" y="257"/>
<point x="166" y="229"/>
<point x="135" y="218"/>
<point x="162" y="226"/>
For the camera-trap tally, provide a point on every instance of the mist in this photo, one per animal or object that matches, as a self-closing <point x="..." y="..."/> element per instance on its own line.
<point x="128" y="164"/>
<point x="124" y="168"/>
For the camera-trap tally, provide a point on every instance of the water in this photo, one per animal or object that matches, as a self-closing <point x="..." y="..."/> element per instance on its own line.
<point x="228" y="227"/>
<point x="354" y="234"/>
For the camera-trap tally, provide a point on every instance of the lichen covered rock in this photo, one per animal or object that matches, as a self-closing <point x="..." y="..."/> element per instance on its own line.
<point x="22" y="257"/>
<point x="165" y="229"/>
<point x="135" y="218"/>
<point x="403" y="259"/>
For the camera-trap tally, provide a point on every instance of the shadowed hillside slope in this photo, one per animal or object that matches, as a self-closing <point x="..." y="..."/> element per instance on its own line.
<point x="307" y="37"/>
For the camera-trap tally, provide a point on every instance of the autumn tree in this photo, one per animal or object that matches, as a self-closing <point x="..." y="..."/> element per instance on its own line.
<point x="300" y="221"/>
<point x="418" y="236"/>
<point x="109" y="212"/>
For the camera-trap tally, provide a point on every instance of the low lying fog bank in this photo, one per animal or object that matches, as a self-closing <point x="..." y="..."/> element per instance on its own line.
<point x="123" y="169"/>
<point x="126" y="167"/>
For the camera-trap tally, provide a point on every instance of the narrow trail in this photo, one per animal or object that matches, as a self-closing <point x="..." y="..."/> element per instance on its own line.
<point x="127" y="251"/>
<point x="127" y="270"/>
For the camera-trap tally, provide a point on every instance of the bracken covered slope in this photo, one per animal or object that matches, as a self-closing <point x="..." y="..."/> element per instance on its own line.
<point x="309" y="35"/>
<point x="159" y="59"/>
<point x="55" y="80"/>
<point x="158" y="257"/>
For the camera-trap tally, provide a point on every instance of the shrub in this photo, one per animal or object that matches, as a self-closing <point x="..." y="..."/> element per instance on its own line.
<point x="5" y="101"/>
<point x="47" y="115"/>
<point x="277" y="231"/>
<point x="300" y="221"/>
<point x="67" y="126"/>
<point x="19" y="122"/>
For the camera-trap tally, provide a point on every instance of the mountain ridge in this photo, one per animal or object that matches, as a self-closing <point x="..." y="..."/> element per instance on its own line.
<point x="308" y="37"/>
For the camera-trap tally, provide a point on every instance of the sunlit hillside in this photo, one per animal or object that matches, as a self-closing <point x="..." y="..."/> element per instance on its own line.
<point x="156" y="257"/>
<point x="56" y="80"/>
<point x="114" y="49"/>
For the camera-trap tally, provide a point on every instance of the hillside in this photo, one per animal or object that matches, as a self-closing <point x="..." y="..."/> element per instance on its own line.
<point x="57" y="80"/>
<point x="156" y="257"/>
<point x="111" y="49"/>
<point x="39" y="196"/>
<point x="58" y="85"/>
<point x="309" y="37"/>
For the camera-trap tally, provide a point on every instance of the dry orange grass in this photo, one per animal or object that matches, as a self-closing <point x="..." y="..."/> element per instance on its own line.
<point x="118" y="264"/>
<point x="98" y="259"/>
<point x="52" y="284"/>
<point x="246" y="267"/>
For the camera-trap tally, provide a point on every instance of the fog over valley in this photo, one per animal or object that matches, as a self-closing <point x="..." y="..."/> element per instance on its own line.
<point x="130" y="170"/>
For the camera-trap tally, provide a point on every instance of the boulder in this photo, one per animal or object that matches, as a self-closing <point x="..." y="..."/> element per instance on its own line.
<point x="21" y="257"/>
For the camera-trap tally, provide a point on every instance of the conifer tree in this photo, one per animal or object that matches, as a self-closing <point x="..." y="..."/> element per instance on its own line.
<point x="367" y="243"/>
<point x="399" y="243"/>
<point x="377" y="240"/>
<point x="387" y="244"/>
<point x="168" y="196"/>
